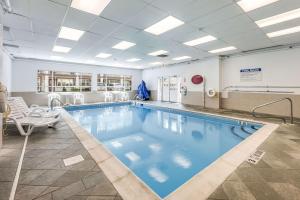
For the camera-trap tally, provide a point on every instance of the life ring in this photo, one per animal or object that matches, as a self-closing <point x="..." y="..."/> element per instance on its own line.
<point x="211" y="93"/>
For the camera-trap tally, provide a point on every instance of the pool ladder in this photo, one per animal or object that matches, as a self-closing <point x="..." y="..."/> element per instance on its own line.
<point x="56" y="99"/>
<point x="254" y="114"/>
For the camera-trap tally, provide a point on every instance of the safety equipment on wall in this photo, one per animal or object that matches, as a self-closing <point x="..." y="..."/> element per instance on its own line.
<point x="197" y="79"/>
<point x="183" y="90"/>
<point x="211" y="93"/>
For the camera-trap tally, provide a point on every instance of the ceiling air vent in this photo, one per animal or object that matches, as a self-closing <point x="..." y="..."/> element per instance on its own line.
<point x="162" y="55"/>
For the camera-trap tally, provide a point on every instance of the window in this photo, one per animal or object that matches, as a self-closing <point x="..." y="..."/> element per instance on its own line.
<point x="107" y="82"/>
<point x="53" y="81"/>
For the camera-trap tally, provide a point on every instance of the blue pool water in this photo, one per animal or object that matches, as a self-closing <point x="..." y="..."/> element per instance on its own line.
<point x="163" y="147"/>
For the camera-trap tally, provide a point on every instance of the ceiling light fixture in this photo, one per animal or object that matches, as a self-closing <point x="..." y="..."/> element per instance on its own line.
<point x="182" y="58"/>
<point x="70" y="33"/>
<point x="164" y="25"/>
<point x="61" y="49"/>
<point x="133" y="60"/>
<point x="284" y="32"/>
<point x="201" y="40"/>
<point x="293" y="14"/>
<point x="249" y="5"/>
<point x="223" y="49"/>
<point x="124" y="45"/>
<point x="157" y="53"/>
<point x="103" y="55"/>
<point x="91" y="6"/>
<point x="156" y="63"/>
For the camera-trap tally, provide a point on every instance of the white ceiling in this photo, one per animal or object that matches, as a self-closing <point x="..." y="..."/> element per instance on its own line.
<point x="36" y="33"/>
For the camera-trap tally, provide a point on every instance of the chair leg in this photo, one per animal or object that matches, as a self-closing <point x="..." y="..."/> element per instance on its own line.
<point x="22" y="130"/>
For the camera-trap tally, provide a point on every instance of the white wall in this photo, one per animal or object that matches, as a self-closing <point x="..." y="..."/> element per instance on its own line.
<point x="5" y="69"/>
<point x="24" y="73"/>
<point x="280" y="68"/>
<point x="208" y="68"/>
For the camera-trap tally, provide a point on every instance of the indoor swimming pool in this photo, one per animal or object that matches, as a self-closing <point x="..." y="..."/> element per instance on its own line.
<point x="163" y="147"/>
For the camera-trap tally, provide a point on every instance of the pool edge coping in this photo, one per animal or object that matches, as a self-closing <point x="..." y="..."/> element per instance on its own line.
<point x="209" y="179"/>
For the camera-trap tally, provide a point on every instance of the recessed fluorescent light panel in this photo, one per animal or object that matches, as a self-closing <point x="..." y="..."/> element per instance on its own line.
<point x="123" y="45"/>
<point x="164" y="25"/>
<point x="201" y="40"/>
<point x="157" y="53"/>
<point x="133" y="60"/>
<point x="91" y="6"/>
<point x="249" y="5"/>
<point x="155" y="63"/>
<point x="61" y="49"/>
<point x="284" y="32"/>
<point x="70" y="33"/>
<point x="182" y="58"/>
<point x="293" y="14"/>
<point x="103" y="55"/>
<point x="223" y="49"/>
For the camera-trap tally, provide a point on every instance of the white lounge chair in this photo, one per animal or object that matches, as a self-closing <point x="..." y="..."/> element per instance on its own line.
<point x="27" y="123"/>
<point x="124" y="96"/>
<point x="78" y="97"/>
<point x="34" y="109"/>
<point x="108" y="97"/>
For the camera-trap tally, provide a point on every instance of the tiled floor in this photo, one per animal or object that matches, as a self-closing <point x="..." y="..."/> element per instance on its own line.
<point x="44" y="175"/>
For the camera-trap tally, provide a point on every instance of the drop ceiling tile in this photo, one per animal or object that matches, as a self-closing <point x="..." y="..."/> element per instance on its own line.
<point x="47" y="11"/>
<point x="63" y="2"/>
<point x="287" y="39"/>
<point x="149" y="16"/>
<point x="274" y="9"/>
<point x="23" y="35"/>
<point x="79" y="20"/>
<point x="21" y="7"/>
<point x="8" y="36"/>
<point x="281" y="26"/>
<point x="190" y="10"/>
<point x="103" y="26"/>
<point x="218" y="16"/>
<point x="234" y="26"/>
<point x="43" y="28"/>
<point x="190" y="36"/>
<point x="125" y="33"/>
<point x="253" y="44"/>
<point x="17" y="22"/>
<point x="122" y="11"/>
<point x="180" y="33"/>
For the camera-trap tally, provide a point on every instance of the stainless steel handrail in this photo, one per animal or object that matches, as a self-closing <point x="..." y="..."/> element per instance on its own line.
<point x="273" y="102"/>
<point x="52" y="103"/>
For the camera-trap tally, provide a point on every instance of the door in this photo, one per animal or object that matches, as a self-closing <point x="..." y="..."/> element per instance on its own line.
<point x="169" y="89"/>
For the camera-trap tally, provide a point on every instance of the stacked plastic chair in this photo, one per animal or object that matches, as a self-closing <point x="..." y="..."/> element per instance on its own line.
<point x="108" y="97"/>
<point x="52" y="96"/>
